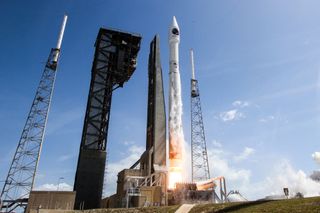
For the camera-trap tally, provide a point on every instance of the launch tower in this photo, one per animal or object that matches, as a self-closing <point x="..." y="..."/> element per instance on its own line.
<point x="199" y="156"/>
<point x="114" y="63"/>
<point x="21" y="175"/>
<point x="145" y="182"/>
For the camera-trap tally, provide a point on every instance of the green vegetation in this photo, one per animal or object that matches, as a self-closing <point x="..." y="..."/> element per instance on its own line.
<point x="165" y="209"/>
<point x="303" y="205"/>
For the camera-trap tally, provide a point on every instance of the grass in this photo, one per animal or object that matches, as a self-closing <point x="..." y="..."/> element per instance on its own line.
<point x="164" y="209"/>
<point x="303" y="205"/>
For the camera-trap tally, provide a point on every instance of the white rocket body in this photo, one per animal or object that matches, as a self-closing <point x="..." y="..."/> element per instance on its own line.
<point x="176" y="138"/>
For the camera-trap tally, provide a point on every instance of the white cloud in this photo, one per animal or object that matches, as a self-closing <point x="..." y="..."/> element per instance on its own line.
<point x="316" y="157"/>
<point x="245" y="154"/>
<point x="231" y="115"/>
<point x="240" y="104"/>
<point x="127" y="143"/>
<point x="235" y="113"/>
<point x="54" y="187"/>
<point x="113" y="168"/>
<point x="216" y="144"/>
<point x="220" y="165"/>
<point x="267" y="119"/>
<point x="65" y="157"/>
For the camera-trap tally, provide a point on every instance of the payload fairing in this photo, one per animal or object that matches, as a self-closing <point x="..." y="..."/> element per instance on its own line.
<point x="176" y="138"/>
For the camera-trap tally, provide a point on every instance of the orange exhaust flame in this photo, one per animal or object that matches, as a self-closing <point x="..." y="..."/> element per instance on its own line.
<point x="175" y="173"/>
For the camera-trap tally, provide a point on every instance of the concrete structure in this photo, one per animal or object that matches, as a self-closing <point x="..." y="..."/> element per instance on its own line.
<point x="148" y="196"/>
<point x="189" y="193"/>
<point x="185" y="208"/>
<point x="213" y="190"/>
<point x="114" y="63"/>
<point x="62" y="200"/>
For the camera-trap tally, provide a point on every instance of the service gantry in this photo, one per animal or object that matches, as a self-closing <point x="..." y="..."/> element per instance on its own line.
<point x="113" y="64"/>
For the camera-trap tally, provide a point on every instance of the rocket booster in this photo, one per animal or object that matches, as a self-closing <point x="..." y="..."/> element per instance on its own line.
<point x="176" y="138"/>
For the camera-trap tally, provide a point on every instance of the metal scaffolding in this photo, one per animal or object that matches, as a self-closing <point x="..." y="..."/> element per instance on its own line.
<point x="114" y="63"/>
<point x="21" y="175"/>
<point x="199" y="156"/>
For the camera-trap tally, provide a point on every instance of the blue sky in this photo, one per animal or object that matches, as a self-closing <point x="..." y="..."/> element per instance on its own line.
<point x="257" y="63"/>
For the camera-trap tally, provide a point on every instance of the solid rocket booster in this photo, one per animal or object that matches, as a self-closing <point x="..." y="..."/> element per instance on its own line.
<point x="176" y="138"/>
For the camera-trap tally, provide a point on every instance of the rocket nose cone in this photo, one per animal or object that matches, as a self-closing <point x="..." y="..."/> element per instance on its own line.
<point x="174" y="23"/>
<point x="174" y="29"/>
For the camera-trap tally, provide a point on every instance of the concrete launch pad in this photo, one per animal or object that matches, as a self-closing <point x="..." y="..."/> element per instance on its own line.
<point x="61" y="200"/>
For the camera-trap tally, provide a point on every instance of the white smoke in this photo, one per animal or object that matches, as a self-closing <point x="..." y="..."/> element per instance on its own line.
<point x="176" y="135"/>
<point x="281" y="175"/>
<point x="175" y="113"/>
<point x="285" y="176"/>
<point x="315" y="176"/>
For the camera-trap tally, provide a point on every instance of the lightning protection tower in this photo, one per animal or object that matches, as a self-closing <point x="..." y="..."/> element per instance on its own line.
<point x="21" y="175"/>
<point x="199" y="156"/>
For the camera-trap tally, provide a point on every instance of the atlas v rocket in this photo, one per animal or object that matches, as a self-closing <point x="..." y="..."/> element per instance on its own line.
<point x="176" y="138"/>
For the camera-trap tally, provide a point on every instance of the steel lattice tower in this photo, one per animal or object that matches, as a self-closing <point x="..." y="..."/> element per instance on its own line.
<point x="199" y="156"/>
<point x="21" y="175"/>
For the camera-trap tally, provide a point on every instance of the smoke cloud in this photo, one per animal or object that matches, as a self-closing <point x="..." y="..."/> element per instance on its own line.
<point x="285" y="176"/>
<point x="315" y="176"/>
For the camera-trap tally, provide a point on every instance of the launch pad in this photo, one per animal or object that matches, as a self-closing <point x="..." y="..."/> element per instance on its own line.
<point x="155" y="179"/>
<point x="146" y="182"/>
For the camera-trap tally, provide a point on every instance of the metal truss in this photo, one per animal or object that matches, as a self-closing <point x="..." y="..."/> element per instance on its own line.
<point x="21" y="175"/>
<point x="114" y="63"/>
<point x="200" y="164"/>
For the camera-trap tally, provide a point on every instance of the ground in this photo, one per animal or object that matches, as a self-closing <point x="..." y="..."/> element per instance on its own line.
<point x="303" y="205"/>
